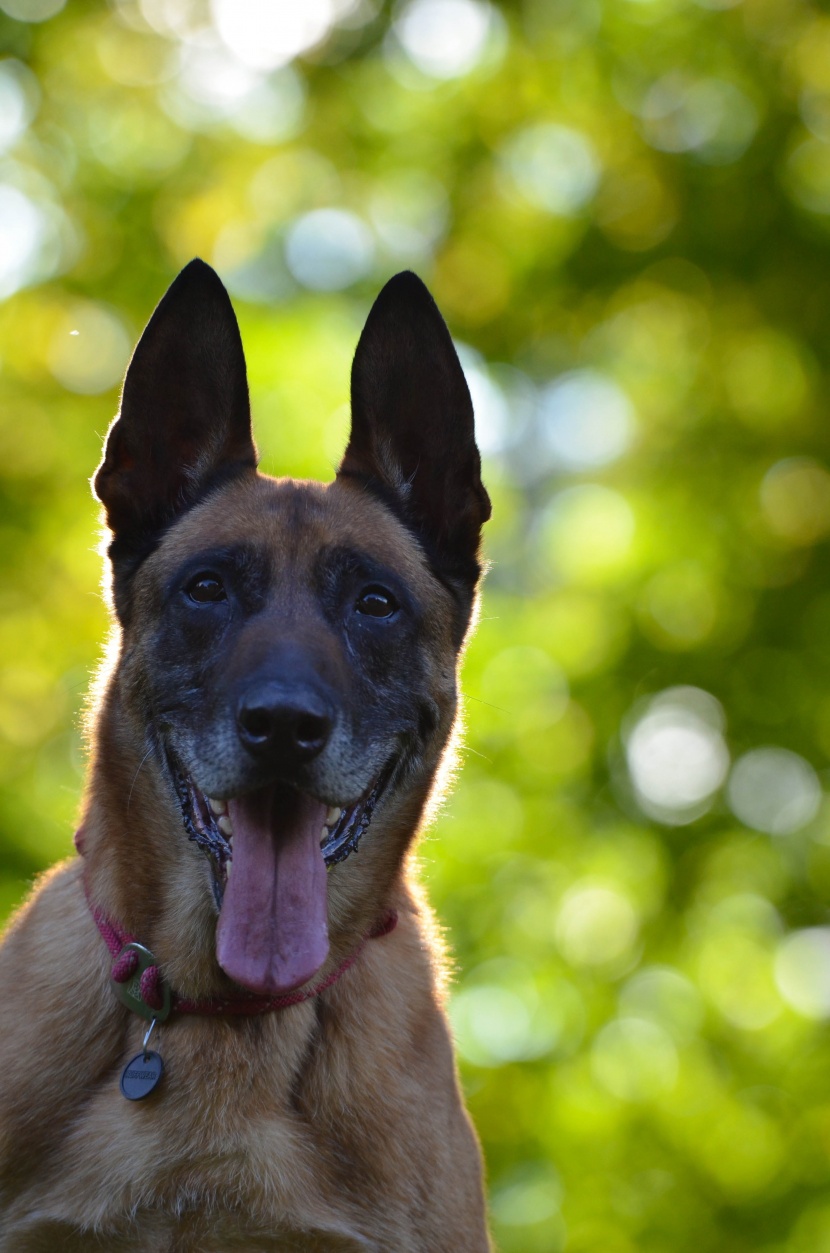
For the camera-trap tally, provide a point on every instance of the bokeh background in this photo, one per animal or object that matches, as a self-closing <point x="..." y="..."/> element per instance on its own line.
<point x="623" y="209"/>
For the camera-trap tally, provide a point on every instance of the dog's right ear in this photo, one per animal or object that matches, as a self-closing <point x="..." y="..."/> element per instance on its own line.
<point x="184" y="425"/>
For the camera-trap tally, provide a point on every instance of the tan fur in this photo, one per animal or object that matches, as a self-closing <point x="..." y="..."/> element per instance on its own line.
<point x="336" y="1124"/>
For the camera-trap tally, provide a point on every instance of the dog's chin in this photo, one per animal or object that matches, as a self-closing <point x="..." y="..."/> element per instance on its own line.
<point x="269" y="850"/>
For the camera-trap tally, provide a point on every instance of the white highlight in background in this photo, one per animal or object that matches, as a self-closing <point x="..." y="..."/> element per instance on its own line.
<point x="587" y="421"/>
<point x="444" y="38"/>
<point x="802" y="971"/>
<point x="676" y="754"/>
<point x="23" y="230"/>
<point x="774" y="790"/>
<point x="554" y="167"/>
<point x="19" y="99"/>
<point x="329" y="249"/>
<point x="596" y="924"/>
<point x="266" y="34"/>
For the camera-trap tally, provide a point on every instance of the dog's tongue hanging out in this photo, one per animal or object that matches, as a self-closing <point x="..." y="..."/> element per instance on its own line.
<point x="272" y="934"/>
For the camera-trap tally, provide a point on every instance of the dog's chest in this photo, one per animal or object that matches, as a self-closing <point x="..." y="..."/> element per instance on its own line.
<point x="262" y="1188"/>
<point x="219" y="1158"/>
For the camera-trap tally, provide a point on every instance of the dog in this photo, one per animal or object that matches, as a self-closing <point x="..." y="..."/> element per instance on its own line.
<point x="222" y="1022"/>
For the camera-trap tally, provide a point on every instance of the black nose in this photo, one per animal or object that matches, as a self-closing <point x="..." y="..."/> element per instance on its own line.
<point x="295" y="725"/>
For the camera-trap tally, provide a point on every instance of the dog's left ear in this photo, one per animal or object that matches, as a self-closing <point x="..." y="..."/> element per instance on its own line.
<point x="185" y="422"/>
<point x="412" y="436"/>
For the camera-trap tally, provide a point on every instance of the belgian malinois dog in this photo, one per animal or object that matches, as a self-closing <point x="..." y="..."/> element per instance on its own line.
<point x="222" y="1022"/>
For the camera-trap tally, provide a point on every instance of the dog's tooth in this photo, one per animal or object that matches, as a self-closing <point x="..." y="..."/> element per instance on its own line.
<point x="324" y="834"/>
<point x="333" y="815"/>
<point x="218" y="807"/>
<point x="225" y="825"/>
<point x="228" y="868"/>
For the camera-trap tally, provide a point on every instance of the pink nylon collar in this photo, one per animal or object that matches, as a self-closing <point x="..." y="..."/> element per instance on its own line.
<point x="246" y="1004"/>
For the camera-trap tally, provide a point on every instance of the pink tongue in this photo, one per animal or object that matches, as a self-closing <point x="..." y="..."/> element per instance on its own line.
<point x="272" y="934"/>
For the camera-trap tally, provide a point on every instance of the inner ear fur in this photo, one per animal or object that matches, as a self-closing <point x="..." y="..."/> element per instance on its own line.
<point x="184" y="424"/>
<point x="412" y="436"/>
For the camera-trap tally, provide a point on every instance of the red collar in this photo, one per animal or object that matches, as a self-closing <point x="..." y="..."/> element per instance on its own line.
<point x="140" y="985"/>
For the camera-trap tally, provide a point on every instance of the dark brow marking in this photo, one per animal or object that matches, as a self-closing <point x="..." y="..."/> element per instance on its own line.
<point x="336" y="562"/>
<point x="247" y="564"/>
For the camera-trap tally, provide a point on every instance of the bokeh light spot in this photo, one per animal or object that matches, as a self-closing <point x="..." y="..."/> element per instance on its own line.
<point x="266" y="34"/>
<point x="410" y="212"/>
<point x="19" y="99"/>
<point x="590" y="531"/>
<point x="214" y="78"/>
<point x="663" y="995"/>
<point x="774" y="790"/>
<point x="808" y="175"/>
<point x="525" y="687"/>
<point x="587" y="420"/>
<point x="677" y="757"/>
<point x="635" y="1059"/>
<point x="491" y="1024"/>
<point x="554" y="167"/>
<point x="711" y="117"/>
<point x="795" y="498"/>
<point x="444" y="38"/>
<point x="89" y="349"/>
<point x="32" y="10"/>
<point x="802" y="971"/>
<point x="734" y="965"/>
<point x="135" y="142"/>
<point x="678" y="606"/>
<point x="22" y="234"/>
<point x="743" y="1150"/>
<point x="329" y="249"/>
<point x="765" y="377"/>
<point x="484" y="814"/>
<point x="498" y="1016"/>
<point x="214" y="86"/>
<point x="528" y="1196"/>
<point x="635" y="207"/>
<point x="596" y="924"/>
<point x="32" y="702"/>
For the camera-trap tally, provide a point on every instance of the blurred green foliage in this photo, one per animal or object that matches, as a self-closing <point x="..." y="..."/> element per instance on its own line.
<point x="623" y="209"/>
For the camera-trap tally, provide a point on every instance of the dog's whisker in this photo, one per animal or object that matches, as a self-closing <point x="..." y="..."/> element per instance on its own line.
<point x="465" y="749"/>
<point x="487" y="704"/>
<point x="135" y="776"/>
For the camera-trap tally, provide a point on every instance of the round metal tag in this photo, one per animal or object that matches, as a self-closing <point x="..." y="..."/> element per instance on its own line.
<point x="141" y="1075"/>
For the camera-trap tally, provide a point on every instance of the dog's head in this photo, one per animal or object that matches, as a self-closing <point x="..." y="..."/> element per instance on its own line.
<point x="289" y="648"/>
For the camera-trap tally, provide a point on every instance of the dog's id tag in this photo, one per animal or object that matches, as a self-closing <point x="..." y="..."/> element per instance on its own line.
<point x="140" y="1076"/>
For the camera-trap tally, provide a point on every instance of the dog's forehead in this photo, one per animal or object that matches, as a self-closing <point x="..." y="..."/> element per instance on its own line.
<point x="293" y="520"/>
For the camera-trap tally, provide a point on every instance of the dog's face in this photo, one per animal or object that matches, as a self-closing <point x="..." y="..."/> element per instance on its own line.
<point x="287" y="632"/>
<point x="289" y="648"/>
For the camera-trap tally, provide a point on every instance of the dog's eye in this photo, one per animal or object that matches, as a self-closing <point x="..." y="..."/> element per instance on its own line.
<point x="206" y="589"/>
<point x="376" y="602"/>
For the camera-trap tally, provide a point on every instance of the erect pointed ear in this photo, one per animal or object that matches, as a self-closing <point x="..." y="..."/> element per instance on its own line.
<point x="412" y="436"/>
<point x="184" y="424"/>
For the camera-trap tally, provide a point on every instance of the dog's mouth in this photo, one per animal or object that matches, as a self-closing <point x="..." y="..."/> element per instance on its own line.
<point x="269" y="851"/>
